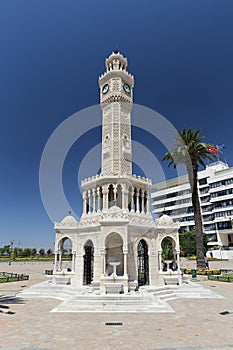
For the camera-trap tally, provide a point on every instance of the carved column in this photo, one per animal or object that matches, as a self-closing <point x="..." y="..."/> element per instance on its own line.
<point x="132" y="200"/>
<point x="125" y="194"/>
<point x="148" y="203"/>
<point x="115" y="194"/>
<point x="126" y="199"/>
<point x="103" y="254"/>
<point x="55" y="261"/>
<point x="84" y="202"/>
<point x="122" y="197"/>
<point x="160" y="260"/>
<point x="142" y="201"/>
<point x="98" y="196"/>
<point x="125" y="252"/>
<point x="89" y="198"/>
<point x="73" y="261"/>
<point x="105" y="197"/>
<point x="178" y="259"/>
<point x="94" y="200"/>
<point x="60" y="260"/>
<point x="137" y="202"/>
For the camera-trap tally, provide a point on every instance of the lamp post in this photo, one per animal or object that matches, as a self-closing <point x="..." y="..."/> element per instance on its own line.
<point x="220" y="249"/>
<point x="11" y="251"/>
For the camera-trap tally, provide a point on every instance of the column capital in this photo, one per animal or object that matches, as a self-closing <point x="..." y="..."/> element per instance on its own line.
<point x="105" y="188"/>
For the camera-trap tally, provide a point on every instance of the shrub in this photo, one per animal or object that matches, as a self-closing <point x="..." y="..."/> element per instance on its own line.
<point x="204" y="272"/>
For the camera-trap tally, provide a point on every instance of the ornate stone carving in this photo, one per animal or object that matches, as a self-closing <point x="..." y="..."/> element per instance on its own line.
<point x="166" y="221"/>
<point x="68" y="222"/>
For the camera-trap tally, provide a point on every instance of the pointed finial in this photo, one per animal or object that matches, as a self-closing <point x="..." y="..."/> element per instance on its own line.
<point x="69" y="212"/>
<point x="116" y="50"/>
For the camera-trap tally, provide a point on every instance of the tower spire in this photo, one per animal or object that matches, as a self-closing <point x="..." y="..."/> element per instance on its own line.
<point x="116" y="50"/>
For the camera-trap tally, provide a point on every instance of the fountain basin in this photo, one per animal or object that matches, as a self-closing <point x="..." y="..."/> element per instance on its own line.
<point x="113" y="288"/>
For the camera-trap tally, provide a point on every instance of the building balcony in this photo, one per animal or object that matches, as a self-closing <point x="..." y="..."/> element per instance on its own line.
<point x="221" y="198"/>
<point x="220" y="188"/>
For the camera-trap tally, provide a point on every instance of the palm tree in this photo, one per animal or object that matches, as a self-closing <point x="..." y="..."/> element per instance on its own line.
<point x="191" y="151"/>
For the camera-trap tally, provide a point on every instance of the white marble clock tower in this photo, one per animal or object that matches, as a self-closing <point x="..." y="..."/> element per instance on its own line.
<point x="116" y="240"/>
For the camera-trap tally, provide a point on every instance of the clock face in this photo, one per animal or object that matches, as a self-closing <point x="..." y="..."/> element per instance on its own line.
<point x="105" y="88"/>
<point x="127" y="88"/>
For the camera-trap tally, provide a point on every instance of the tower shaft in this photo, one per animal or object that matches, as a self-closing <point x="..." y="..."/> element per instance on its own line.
<point x="116" y="99"/>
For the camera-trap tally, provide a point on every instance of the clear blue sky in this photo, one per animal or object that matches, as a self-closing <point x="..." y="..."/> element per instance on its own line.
<point x="52" y="52"/>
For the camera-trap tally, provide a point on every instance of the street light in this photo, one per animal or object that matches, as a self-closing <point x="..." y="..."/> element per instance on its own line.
<point x="11" y="250"/>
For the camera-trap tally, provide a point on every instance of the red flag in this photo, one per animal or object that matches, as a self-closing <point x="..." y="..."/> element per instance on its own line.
<point x="212" y="149"/>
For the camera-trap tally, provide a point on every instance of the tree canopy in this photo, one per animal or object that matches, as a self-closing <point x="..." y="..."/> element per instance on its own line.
<point x="190" y="150"/>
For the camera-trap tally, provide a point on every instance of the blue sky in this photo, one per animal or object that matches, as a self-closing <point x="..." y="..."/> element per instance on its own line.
<point x="52" y="52"/>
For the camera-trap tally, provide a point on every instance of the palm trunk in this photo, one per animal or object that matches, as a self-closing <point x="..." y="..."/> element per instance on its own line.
<point x="192" y="173"/>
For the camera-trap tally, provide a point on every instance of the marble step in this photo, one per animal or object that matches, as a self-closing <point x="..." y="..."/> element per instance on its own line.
<point x="113" y="306"/>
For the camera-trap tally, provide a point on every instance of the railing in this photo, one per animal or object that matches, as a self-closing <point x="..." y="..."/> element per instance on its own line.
<point x="11" y="277"/>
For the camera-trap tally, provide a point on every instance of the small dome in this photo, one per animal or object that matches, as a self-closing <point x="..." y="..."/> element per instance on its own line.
<point x="69" y="220"/>
<point x="114" y="209"/>
<point x="165" y="221"/>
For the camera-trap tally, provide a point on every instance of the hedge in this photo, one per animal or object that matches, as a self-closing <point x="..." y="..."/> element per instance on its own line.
<point x="204" y="272"/>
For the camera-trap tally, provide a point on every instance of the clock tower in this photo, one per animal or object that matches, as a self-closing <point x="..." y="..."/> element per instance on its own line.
<point x="116" y="243"/>
<point x="116" y="98"/>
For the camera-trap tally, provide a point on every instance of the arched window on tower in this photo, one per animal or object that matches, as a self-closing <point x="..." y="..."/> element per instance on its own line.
<point x="145" y="201"/>
<point x="140" y="200"/>
<point x="111" y="200"/>
<point x="126" y="143"/>
<point x="106" y="146"/>
<point x="119" y="196"/>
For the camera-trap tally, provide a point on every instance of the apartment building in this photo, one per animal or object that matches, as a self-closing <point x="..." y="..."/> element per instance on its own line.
<point x="215" y="185"/>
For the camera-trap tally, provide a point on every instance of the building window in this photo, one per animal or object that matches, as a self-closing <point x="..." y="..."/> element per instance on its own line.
<point x="203" y="181"/>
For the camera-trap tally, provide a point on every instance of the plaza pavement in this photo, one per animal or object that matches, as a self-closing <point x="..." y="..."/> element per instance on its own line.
<point x="195" y="324"/>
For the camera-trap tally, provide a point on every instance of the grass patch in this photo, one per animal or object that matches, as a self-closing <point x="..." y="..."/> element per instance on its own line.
<point x="222" y="278"/>
<point x="34" y="258"/>
<point x="4" y="279"/>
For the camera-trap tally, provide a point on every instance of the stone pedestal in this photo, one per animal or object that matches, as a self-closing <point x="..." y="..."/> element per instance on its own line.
<point x="170" y="277"/>
<point x="107" y="282"/>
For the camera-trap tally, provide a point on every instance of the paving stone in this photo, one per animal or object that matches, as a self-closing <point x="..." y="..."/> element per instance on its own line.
<point x="195" y="324"/>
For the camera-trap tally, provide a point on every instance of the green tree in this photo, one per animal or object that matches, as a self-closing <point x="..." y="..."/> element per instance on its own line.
<point x="41" y="251"/>
<point x="15" y="253"/>
<point x="188" y="243"/>
<point x="34" y="250"/>
<point x="49" y="251"/>
<point x="27" y="252"/>
<point x="6" y="249"/>
<point x="190" y="150"/>
<point x="19" y="251"/>
<point x="167" y="253"/>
